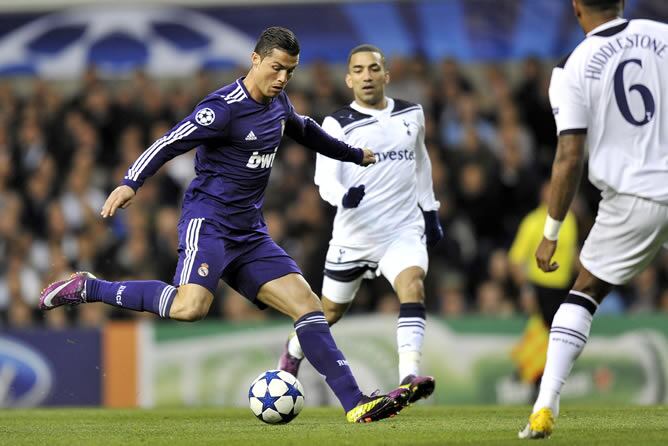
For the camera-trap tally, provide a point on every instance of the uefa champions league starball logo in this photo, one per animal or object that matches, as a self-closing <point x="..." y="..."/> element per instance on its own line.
<point x="164" y="41"/>
<point x="205" y="116"/>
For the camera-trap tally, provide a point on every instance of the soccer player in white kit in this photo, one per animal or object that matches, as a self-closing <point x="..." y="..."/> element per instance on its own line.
<point x="387" y="214"/>
<point x="609" y="93"/>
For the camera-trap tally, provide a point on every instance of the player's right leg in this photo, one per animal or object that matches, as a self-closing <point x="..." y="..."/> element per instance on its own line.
<point x="186" y="303"/>
<point x="343" y="293"/>
<point x="196" y="279"/>
<point x="291" y="295"/>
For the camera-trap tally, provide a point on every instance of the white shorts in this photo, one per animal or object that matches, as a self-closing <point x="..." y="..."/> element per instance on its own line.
<point x="346" y="266"/>
<point x="627" y="234"/>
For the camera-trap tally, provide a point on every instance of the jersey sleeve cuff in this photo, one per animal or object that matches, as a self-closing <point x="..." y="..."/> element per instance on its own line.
<point x="359" y="155"/>
<point x="578" y="131"/>
<point x="133" y="184"/>
<point x="431" y="206"/>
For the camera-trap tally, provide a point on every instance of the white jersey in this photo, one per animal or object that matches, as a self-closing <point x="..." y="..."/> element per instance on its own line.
<point x="395" y="186"/>
<point x="614" y="87"/>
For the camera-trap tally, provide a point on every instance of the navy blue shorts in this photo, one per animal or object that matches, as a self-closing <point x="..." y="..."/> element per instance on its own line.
<point x="207" y="255"/>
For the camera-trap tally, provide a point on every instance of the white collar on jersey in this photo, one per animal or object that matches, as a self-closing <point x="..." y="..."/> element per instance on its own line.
<point x="606" y="25"/>
<point x="372" y="111"/>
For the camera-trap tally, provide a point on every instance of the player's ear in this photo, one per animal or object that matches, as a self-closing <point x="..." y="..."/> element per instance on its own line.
<point x="349" y="80"/>
<point x="387" y="77"/>
<point x="256" y="59"/>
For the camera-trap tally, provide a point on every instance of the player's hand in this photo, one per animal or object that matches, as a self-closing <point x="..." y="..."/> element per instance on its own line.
<point x="120" y="197"/>
<point x="432" y="227"/>
<point x="544" y="255"/>
<point x="369" y="157"/>
<point x="353" y="197"/>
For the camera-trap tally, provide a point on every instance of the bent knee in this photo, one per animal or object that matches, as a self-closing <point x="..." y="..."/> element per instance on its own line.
<point x="189" y="307"/>
<point x="307" y="301"/>
<point x="301" y="303"/>
<point x="412" y="292"/>
<point x="191" y="314"/>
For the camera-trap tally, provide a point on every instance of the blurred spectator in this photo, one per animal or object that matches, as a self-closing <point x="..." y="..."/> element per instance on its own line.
<point x="466" y="115"/>
<point x="235" y="307"/>
<point x="451" y="296"/>
<point x="491" y="300"/>
<point x="324" y="96"/>
<point x="490" y="136"/>
<point x="409" y="80"/>
<point x="644" y="291"/>
<point x="388" y="303"/>
<point x="663" y="302"/>
<point x="534" y="105"/>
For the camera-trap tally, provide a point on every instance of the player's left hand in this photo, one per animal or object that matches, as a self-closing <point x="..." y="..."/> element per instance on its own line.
<point x="432" y="227"/>
<point x="544" y="254"/>
<point x="369" y="157"/>
<point x="121" y="197"/>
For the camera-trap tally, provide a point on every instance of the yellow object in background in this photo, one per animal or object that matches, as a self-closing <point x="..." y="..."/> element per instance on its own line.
<point x="530" y="353"/>
<point x="528" y="237"/>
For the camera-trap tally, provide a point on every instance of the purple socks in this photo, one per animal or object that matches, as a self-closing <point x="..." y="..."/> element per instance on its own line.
<point x="138" y="295"/>
<point x="323" y="354"/>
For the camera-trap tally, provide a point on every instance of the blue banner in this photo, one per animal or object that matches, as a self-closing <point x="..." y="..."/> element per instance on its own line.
<point x="50" y="368"/>
<point x="171" y="40"/>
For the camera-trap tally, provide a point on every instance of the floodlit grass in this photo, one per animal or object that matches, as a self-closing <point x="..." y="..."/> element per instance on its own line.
<point x="419" y="425"/>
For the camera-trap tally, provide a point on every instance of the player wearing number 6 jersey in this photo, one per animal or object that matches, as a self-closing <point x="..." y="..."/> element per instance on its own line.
<point x="610" y="93"/>
<point x="386" y="214"/>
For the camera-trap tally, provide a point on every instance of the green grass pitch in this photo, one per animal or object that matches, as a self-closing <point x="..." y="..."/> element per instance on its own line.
<point x="419" y="425"/>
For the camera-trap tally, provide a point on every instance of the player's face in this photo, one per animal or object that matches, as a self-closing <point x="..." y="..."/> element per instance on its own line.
<point x="367" y="77"/>
<point x="274" y="71"/>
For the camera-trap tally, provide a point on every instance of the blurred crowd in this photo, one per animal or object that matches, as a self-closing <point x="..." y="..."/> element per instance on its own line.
<point x="490" y="136"/>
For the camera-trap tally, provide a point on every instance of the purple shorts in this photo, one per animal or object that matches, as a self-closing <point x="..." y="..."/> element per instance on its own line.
<point x="206" y="255"/>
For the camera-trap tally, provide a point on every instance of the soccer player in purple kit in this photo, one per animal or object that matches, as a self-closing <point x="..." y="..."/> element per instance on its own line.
<point x="222" y="234"/>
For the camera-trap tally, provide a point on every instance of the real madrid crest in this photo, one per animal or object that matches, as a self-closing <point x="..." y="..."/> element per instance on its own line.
<point x="203" y="270"/>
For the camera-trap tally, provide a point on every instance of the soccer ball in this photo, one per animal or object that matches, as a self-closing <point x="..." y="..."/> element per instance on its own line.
<point x="276" y="397"/>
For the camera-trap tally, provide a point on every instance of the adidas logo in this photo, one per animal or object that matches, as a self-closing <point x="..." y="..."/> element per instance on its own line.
<point x="251" y="136"/>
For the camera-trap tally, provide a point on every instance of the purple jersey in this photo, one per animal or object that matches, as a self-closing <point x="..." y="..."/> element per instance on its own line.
<point x="237" y="139"/>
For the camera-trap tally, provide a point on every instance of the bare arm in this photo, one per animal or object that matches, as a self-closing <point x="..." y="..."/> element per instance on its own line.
<point x="566" y="175"/>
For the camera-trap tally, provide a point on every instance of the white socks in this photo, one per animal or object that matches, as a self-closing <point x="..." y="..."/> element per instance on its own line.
<point x="409" y="363"/>
<point x="295" y="348"/>
<point x="410" y="336"/>
<point x="568" y="336"/>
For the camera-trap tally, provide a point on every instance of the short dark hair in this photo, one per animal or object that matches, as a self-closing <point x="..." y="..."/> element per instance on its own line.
<point x="277" y="37"/>
<point x="603" y="5"/>
<point x="366" y="48"/>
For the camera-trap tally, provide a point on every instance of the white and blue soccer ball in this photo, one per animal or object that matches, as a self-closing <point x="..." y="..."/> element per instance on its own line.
<point x="276" y="397"/>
